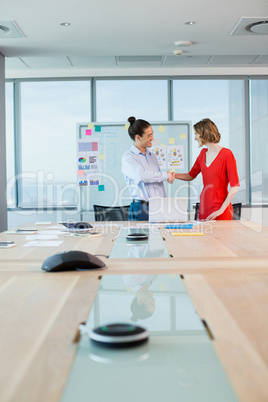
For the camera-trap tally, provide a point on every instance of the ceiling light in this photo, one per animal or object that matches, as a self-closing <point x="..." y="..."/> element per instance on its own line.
<point x="65" y="24"/>
<point x="183" y="43"/>
<point x="190" y="23"/>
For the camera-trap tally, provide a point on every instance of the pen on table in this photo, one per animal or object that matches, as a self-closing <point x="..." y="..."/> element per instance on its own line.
<point x="6" y="242"/>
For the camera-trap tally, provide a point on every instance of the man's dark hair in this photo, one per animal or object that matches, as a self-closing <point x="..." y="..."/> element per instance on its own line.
<point x="137" y="127"/>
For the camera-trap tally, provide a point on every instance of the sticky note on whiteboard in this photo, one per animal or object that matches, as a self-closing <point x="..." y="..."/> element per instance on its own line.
<point x="88" y="132"/>
<point x="101" y="156"/>
<point x="161" y="129"/>
<point x="126" y="126"/>
<point x="90" y="126"/>
<point x="98" y="129"/>
<point x="101" y="187"/>
<point x="182" y="136"/>
<point x="171" y="140"/>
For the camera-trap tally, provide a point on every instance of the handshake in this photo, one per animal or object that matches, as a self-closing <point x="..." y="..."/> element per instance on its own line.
<point x="171" y="176"/>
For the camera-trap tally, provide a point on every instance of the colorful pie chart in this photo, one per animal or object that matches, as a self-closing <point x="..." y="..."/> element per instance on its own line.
<point x="82" y="160"/>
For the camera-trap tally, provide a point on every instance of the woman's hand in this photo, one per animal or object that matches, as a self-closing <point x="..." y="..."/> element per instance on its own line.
<point x="227" y="201"/>
<point x="214" y="215"/>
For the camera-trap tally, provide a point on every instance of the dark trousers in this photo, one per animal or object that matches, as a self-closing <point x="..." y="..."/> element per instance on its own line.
<point x="139" y="211"/>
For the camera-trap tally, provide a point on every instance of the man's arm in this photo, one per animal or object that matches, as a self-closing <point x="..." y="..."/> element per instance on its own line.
<point x="132" y="168"/>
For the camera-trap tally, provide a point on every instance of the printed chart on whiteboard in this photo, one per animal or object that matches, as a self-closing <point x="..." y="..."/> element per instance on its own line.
<point x="88" y="162"/>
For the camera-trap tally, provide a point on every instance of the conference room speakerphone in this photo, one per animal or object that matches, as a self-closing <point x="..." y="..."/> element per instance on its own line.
<point x="119" y="335"/>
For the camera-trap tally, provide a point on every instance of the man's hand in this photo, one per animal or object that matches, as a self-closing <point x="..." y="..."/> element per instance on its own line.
<point x="171" y="176"/>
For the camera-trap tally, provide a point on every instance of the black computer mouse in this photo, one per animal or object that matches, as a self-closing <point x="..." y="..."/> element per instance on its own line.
<point x="72" y="260"/>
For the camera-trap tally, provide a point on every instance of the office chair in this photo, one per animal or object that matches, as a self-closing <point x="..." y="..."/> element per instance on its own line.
<point x="196" y="211"/>
<point x="236" y="211"/>
<point x="103" y="213"/>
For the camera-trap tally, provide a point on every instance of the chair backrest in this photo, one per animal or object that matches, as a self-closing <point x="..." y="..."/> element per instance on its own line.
<point x="236" y="211"/>
<point x="196" y="211"/>
<point x="103" y="213"/>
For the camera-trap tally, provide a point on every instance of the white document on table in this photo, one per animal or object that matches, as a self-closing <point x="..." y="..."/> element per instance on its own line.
<point x="42" y="243"/>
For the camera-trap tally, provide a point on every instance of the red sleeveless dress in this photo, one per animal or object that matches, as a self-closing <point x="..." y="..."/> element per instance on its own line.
<point x="216" y="178"/>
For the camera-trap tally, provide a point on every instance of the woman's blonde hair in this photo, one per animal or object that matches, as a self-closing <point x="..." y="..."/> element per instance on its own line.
<point x="208" y="131"/>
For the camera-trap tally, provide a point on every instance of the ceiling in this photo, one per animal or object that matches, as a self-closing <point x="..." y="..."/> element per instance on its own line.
<point x="103" y="32"/>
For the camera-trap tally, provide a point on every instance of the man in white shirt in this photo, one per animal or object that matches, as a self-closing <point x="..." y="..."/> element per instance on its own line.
<point x="141" y="170"/>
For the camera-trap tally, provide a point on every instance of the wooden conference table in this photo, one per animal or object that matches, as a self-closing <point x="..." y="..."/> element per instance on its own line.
<point x="225" y="273"/>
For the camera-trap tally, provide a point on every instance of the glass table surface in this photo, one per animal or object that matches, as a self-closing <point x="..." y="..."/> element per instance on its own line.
<point x="177" y="363"/>
<point x="154" y="247"/>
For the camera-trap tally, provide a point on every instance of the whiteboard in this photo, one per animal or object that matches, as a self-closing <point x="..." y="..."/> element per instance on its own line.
<point x="107" y="186"/>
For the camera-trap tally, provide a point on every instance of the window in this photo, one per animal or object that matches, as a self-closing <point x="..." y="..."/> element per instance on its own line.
<point x="222" y="101"/>
<point x="49" y="113"/>
<point x="116" y="100"/>
<point x="42" y="173"/>
<point x="259" y="140"/>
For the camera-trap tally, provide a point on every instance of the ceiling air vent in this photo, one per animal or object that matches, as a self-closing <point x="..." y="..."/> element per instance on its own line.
<point x="260" y="28"/>
<point x="10" y="29"/>
<point x="251" y="26"/>
<point x="139" y="60"/>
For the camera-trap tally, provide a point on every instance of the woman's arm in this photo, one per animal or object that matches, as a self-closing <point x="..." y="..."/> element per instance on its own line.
<point x="227" y="201"/>
<point x="183" y="176"/>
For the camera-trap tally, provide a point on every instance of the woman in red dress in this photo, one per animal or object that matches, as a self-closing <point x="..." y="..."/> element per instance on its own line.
<point x="218" y="168"/>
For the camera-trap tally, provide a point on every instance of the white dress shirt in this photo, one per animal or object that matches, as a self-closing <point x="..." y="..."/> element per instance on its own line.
<point x="143" y="175"/>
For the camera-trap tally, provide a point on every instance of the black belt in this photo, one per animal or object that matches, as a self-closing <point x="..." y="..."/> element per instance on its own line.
<point x="141" y="201"/>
